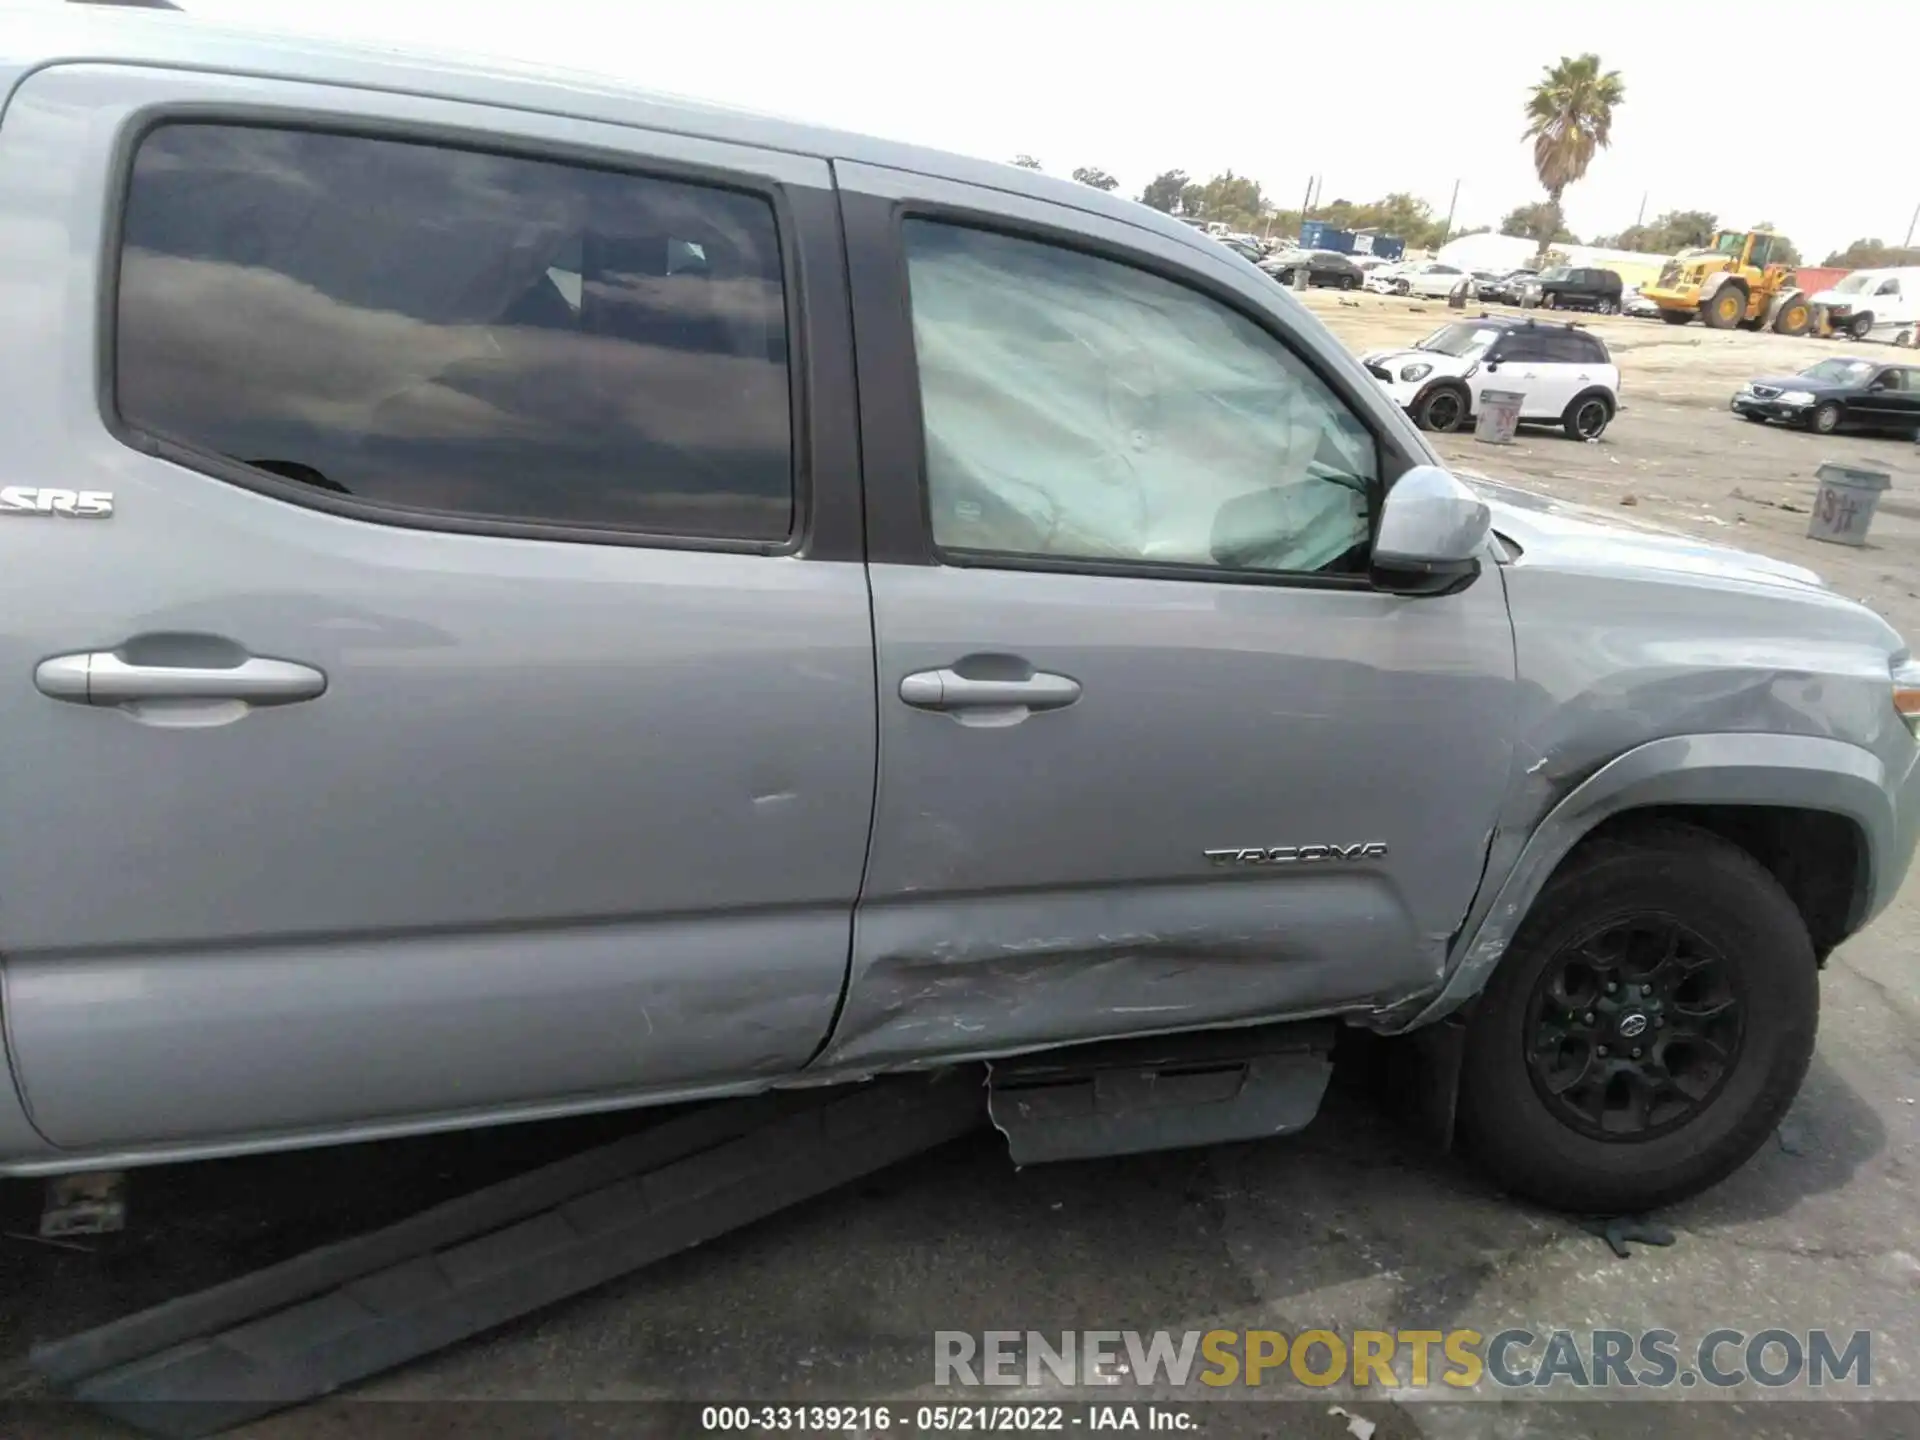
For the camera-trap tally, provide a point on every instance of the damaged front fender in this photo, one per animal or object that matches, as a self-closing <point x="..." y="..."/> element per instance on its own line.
<point x="1794" y="771"/>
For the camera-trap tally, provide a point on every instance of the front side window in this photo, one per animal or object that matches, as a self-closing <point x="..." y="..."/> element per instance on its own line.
<point x="1077" y="408"/>
<point x="1890" y="287"/>
<point x="452" y="333"/>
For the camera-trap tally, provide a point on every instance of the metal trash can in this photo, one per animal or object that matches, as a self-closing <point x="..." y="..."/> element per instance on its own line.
<point x="1301" y="277"/>
<point x="1457" y="297"/>
<point x="1843" y="505"/>
<point x="1499" y="416"/>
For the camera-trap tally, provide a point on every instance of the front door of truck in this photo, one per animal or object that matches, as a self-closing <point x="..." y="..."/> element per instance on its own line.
<point x="446" y="688"/>
<point x="1155" y="755"/>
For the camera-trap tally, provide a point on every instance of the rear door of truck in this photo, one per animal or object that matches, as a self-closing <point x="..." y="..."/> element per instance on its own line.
<point x="437" y="679"/>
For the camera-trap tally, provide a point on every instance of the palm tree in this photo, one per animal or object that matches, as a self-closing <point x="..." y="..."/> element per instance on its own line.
<point x="1569" y="117"/>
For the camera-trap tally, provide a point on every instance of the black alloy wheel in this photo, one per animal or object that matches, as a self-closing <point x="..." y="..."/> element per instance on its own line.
<point x="1633" y="1029"/>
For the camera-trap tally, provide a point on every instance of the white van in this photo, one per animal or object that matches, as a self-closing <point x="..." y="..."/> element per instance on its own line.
<point x="1876" y="305"/>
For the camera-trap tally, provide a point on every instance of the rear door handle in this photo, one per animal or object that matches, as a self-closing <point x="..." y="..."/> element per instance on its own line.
<point x="950" y="690"/>
<point x="101" y="677"/>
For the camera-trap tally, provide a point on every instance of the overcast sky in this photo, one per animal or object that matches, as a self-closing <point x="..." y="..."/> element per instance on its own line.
<point x="1800" y="114"/>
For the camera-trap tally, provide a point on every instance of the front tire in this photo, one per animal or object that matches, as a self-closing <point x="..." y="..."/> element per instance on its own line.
<point x="1442" y="409"/>
<point x="1825" y="419"/>
<point x="1860" y="326"/>
<point x="1795" y="318"/>
<point x="1647" y="1029"/>
<point x="1401" y="287"/>
<point x="1727" y="308"/>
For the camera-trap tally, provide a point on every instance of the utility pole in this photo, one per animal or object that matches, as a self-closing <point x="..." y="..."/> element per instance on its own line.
<point x="1641" y="219"/>
<point x="1452" y="204"/>
<point x="1306" y="206"/>
<point x="1911" y="225"/>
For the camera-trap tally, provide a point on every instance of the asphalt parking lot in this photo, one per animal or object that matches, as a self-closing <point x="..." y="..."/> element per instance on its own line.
<point x="1351" y="1225"/>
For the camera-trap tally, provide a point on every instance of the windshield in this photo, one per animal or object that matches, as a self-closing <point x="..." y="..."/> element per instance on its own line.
<point x="1458" y="340"/>
<point x="1559" y="272"/>
<point x="1731" y="242"/>
<point x="1854" y="284"/>
<point x="1842" y="372"/>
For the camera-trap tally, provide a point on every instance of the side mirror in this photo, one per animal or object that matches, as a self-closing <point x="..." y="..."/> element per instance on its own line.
<point x="1431" y="530"/>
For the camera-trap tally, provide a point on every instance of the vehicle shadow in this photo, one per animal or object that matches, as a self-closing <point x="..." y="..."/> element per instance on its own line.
<point x="1357" y="1220"/>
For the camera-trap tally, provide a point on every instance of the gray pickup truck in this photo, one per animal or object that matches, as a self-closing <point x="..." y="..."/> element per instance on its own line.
<point x="525" y="598"/>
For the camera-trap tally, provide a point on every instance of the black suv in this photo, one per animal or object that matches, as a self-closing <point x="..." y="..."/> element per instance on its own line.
<point x="1575" y="288"/>
<point x="1843" y="392"/>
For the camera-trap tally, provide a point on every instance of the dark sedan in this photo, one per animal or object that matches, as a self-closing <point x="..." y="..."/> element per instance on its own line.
<point x="1503" y="288"/>
<point x="1841" y="393"/>
<point x="1324" y="267"/>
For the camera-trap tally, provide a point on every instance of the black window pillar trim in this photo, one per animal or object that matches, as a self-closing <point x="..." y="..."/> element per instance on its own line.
<point x="892" y="446"/>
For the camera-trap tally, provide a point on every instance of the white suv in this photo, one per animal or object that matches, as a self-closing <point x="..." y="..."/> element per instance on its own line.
<point x="1563" y="373"/>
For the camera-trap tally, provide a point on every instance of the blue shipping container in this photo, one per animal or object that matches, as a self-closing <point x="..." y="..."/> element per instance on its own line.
<point x="1319" y="235"/>
<point x="1390" y="247"/>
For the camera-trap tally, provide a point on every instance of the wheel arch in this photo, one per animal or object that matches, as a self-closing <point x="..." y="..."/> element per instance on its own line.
<point x="1780" y="797"/>
<point x="1719" y="281"/>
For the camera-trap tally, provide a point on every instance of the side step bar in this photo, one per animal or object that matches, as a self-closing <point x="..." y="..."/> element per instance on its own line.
<point x="302" y="1329"/>
<point x="1126" y="1097"/>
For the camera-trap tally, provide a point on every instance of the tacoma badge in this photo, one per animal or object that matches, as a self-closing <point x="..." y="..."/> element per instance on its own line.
<point x="1298" y="854"/>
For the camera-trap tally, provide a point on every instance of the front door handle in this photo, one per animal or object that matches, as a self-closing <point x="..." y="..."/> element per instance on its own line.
<point x="101" y="677"/>
<point x="950" y="690"/>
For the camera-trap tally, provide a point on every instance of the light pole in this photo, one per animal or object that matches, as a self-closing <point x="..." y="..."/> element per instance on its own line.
<point x="1910" y="228"/>
<point x="1452" y="205"/>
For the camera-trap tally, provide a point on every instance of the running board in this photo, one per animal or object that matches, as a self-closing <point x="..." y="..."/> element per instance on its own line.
<point x="300" y="1330"/>
<point x="1126" y="1097"/>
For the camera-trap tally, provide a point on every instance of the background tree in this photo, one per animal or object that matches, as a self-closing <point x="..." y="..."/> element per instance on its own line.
<point x="1096" y="177"/>
<point x="1676" y="230"/>
<point x="1026" y="162"/>
<point x="1569" y="119"/>
<point x="1873" y="255"/>
<point x="1163" y="191"/>
<point x="1401" y="214"/>
<point x="1234" y="199"/>
<point x="1540" y="223"/>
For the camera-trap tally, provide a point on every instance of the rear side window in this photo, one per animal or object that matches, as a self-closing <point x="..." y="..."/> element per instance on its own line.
<point x="1524" y="345"/>
<point x="1568" y="347"/>
<point x="449" y="333"/>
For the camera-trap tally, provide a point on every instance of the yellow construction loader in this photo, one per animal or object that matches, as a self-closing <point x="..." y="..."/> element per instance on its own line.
<point x="1733" y="282"/>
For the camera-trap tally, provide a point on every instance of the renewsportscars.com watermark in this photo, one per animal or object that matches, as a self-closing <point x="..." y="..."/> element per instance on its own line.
<point x="1402" y="1359"/>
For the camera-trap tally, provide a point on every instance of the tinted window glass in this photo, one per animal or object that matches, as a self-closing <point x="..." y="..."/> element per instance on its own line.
<point x="1075" y="407"/>
<point x="459" y="333"/>
<point x="1566" y="347"/>
<point x="1523" y="344"/>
